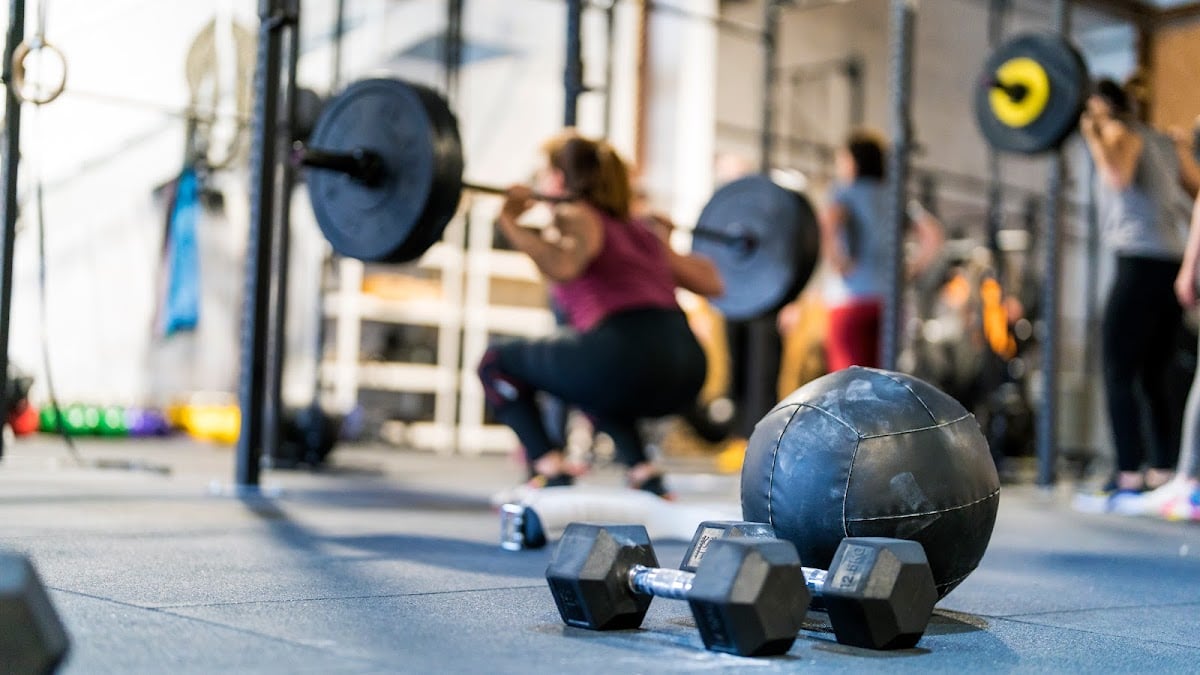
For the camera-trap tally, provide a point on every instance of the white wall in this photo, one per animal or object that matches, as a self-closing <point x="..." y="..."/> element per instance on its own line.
<point x="101" y="150"/>
<point x="680" y="123"/>
<point x="100" y="157"/>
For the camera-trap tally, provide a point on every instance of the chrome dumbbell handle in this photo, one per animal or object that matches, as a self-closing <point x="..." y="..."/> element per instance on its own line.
<point x="661" y="582"/>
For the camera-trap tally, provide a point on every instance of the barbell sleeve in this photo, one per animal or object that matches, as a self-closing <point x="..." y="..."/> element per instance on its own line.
<point x="661" y="582"/>
<point x="361" y="164"/>
<point x="744" y="242"/>
<point x="1015" y="92"/>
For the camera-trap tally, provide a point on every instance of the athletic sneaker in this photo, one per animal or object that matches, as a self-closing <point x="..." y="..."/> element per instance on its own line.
<point x="561" y="480"/>
<point x="1152" y="502"/>
<point x="1183" y="506"/>
<point x="1134" y="502"/>
<point x="1123" y="502"/>
<point x="655" y="485"/>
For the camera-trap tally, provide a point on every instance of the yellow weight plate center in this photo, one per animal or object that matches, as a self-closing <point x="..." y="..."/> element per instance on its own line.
<point x="1024" y="72"/>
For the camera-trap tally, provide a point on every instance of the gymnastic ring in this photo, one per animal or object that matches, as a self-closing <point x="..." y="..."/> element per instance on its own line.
<point x="17" y="86"/>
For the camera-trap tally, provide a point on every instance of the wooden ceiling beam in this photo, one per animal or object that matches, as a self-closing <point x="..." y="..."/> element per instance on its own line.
<point x="1176" y="14"/>
<point x="1138" y="14"/>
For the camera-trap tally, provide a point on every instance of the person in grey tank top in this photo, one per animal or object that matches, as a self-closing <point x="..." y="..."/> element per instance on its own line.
<point x="853" y="227"/>
<point x="852" y="243"/>
<point x="1179" y="499"/>
<point x="1142" y="209"/>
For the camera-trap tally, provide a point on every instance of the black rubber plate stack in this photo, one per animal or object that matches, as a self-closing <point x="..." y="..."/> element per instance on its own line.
<point x="1052" y="100"/>
<point x="782" y="243"/>
<point x="414" y="133"/>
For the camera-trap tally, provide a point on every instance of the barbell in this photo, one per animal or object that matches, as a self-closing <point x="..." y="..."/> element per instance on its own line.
<point x="1031" y="93"/>
<point x="385" y="177"/>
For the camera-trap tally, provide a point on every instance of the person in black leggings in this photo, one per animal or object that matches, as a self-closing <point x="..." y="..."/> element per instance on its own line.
<point x="628" y="352"/>
<point x="1179" y="499"/>
<point x="1141" y="206"/>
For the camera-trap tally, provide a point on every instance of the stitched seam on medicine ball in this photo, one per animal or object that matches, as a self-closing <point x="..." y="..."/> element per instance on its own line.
<point x="774" y="457"/>
<point x="858" y="437"/>
<point x="846" y="489"/>
<point x="837" y="419"/>
<point x="904" y="384"/>
<point x="913" y="431"/>
<point x="995" y="493"/>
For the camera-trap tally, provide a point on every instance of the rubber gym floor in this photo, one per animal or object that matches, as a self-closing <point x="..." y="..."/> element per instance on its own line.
<point x="388" y="562"/>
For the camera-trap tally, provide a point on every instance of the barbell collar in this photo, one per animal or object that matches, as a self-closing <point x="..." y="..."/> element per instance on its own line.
<point x="1016" y="92"/>
<point x="746" y="244"/>
<point x="360" y="164"/>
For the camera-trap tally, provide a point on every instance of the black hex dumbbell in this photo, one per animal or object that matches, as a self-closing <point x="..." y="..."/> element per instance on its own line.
<point x="748" y="597"/>
<point x="32" y="637"/>
<point x="879" y="592"/>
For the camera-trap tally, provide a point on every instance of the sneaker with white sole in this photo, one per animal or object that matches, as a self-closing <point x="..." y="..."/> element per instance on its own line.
<point x="1183" y="506"/>
<point x="1121" y="502"/>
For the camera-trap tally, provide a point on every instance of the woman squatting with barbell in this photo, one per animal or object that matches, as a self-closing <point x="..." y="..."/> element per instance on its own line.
<point x="628" y="352"/>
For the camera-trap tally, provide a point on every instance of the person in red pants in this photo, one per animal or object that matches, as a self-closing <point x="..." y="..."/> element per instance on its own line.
<point x="853" y="226"/>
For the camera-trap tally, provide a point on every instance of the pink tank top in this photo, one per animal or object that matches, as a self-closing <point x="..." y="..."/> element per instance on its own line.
<point x="630" y="272"/>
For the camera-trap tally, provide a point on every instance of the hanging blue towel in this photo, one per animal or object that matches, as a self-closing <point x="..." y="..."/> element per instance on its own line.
<point x="182" y="302"/>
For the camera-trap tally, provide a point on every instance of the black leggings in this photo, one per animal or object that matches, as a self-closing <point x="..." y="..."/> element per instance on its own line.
<point x="634" y="365"/>
<point x="1142" y="319"/>
<point x="755" y="351"/>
